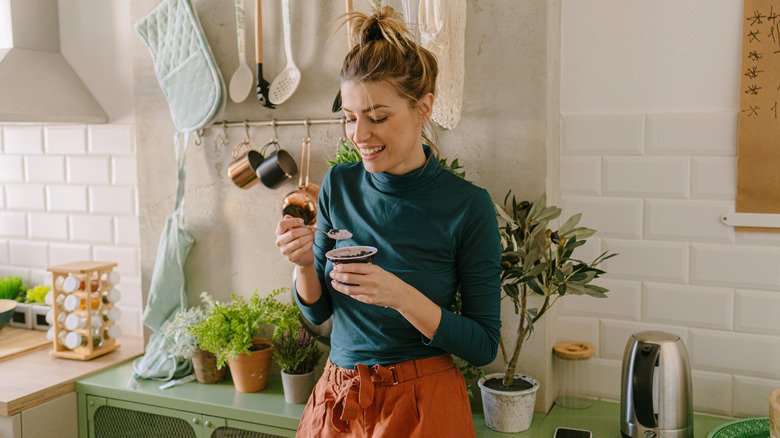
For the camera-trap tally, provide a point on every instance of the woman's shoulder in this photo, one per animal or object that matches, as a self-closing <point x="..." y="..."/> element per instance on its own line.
<point x="462" y="188"/>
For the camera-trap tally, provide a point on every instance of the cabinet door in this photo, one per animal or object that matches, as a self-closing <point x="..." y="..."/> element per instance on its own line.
<point x="93" y="403"/>
<point x="11" y="427"/>
<point x="56" y="418"/>
<point x="119" y="419"/>
<point x="242" y="429"/>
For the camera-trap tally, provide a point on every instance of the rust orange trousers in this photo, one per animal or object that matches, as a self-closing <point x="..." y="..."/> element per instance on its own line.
<point x="423" y="398"/>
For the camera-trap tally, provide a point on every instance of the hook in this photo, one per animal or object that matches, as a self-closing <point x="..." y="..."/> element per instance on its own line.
<point x="224" y="138"/>
<point x="306" y="124"/>
<point x="199" y="136"/>
<point x="246" y="131"/>
<point x="275" y="139"/>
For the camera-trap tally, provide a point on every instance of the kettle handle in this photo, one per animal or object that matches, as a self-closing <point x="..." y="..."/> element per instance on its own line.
<point x="645" y="359"/>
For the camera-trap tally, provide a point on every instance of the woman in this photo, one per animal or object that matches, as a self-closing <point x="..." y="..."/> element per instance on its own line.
<point x="389" y="372"/>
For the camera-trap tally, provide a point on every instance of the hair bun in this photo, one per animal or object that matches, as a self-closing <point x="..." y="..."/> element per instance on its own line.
<point x="374" y="32"/>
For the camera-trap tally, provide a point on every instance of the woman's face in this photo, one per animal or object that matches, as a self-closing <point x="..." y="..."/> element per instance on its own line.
<point x="385" y="129"/>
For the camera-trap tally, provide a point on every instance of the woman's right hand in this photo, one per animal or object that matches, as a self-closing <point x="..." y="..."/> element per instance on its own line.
<point x="295" y="241"/>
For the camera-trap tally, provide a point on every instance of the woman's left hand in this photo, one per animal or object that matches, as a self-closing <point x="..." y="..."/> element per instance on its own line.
<point x="373" y="285"/>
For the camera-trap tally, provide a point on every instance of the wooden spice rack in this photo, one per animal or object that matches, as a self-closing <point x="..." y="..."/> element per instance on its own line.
<point x="90" y="293"/>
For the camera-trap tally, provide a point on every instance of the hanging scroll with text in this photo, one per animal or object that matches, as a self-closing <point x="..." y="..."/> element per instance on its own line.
<point x="758" y="168"/>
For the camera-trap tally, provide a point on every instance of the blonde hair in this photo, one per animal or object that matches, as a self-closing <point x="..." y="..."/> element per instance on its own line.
<point x="383" y="49"/>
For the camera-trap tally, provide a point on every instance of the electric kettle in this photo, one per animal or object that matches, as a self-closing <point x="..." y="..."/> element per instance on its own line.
<point x="656" y="396"/>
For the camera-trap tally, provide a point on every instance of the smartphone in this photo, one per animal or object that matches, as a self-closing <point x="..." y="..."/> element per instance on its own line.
<point x="565" y="432"/>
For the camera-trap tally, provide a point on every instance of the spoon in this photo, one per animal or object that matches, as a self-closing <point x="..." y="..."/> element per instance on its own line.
<point x="334" y="233"/>
<point x="241" y="81"/>
<point x="284" y="85"/>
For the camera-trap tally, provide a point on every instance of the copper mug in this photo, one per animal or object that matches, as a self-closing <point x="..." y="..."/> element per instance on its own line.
<point x="243" y="168"/>
<point x="302" y="203"/>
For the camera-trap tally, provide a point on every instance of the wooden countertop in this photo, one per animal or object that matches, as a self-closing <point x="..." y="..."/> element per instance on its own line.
<point x="36" y="377"/>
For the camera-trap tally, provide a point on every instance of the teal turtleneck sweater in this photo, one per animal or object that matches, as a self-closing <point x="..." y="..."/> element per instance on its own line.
<point x="433" y="230"/>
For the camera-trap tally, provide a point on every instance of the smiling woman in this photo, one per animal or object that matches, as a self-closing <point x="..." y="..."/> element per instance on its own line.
<point x="387" y="129"/>
<point x="390" y="372"/>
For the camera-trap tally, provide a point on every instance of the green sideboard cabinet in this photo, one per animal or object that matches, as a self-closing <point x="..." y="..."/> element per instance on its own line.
<point x="107" y="408"/>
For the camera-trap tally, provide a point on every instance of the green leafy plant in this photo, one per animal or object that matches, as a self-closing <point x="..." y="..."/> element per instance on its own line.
<point x="12" y="288"/>
<point x="37" y="294"/>
<point x="454" y="167"/>
<point x="228" y="328"/>
<point x="538" y="261"/>
<point x="294" y="349"/>
<point x="346" y="153"/>
<point x="178" y="328"/>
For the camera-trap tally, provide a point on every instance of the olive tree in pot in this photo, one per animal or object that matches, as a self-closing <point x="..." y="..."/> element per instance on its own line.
<point x="229" y="331"/>
<point x="297" y="352"/>
<point x="535" y="261"/>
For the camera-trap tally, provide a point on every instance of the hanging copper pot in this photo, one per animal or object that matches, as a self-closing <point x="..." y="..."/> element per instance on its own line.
<point x="302" y="202"/>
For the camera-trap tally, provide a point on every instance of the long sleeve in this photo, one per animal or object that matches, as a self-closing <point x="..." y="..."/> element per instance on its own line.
<point x="474" y="335"/>
<point x="319" y="311"/>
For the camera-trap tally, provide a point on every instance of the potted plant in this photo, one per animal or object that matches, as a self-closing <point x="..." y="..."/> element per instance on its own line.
<point x="535" y="261"/>
<point x="296" y="352"/>
<point x="184" y="345"/>
<point x="42" y="316"/>
<point x="229" y="331"/>
<point x="12" y="288"/>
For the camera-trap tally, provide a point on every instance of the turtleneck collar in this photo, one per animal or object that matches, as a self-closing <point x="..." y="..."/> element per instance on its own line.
<point x="415" y="179"/>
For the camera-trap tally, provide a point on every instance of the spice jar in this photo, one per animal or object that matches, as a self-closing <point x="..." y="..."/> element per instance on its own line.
<point x="573" y="372"/>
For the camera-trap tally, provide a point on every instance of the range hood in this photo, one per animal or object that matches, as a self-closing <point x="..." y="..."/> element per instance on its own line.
<point x="37" y="85"/>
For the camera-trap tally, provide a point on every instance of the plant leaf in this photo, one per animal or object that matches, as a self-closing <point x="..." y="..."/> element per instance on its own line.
<point x="569" y="224"/>
<point x="503" y="214"/>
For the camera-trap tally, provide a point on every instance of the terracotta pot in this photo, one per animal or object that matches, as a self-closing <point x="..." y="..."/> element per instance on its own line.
<point x="250" y="371"/>
<point x="297" y="387"/>
<point x="205" y="364"/>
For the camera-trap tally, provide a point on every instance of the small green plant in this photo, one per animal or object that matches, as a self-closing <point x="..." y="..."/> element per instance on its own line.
<point x="347" y="153"/>
<point x="454" y="167"/>
<point x="37" y="294"/>
<point x="183" y="342"/>
<point x="12" y="288"/>
<point x="294" y="350"/>
<point x="228" y="328"/>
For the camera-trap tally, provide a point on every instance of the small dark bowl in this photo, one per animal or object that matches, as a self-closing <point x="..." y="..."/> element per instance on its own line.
<point x="351" y="254"/>
<point x="7" y="308"/>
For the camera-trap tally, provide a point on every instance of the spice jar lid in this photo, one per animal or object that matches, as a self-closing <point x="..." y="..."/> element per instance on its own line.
<point x="574" y="350"/>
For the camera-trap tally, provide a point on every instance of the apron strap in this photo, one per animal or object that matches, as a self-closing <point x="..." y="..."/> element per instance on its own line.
<point x="180" y="151"/>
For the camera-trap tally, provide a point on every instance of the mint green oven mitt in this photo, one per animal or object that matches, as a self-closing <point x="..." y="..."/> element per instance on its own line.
<point x="183" y="63"/>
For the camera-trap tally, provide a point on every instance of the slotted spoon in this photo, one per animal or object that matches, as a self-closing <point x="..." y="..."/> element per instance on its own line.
<point x="284" y="85"/>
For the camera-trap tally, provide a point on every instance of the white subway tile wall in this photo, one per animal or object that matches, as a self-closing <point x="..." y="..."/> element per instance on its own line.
<point x="654" y="186"/>
<point x="712" y="392"/>
<point x="68" y="193"/>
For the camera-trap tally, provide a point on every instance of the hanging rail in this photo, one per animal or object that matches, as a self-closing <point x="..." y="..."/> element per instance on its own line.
<point x="224" y="124"/>
<point x="240" y="124"/>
